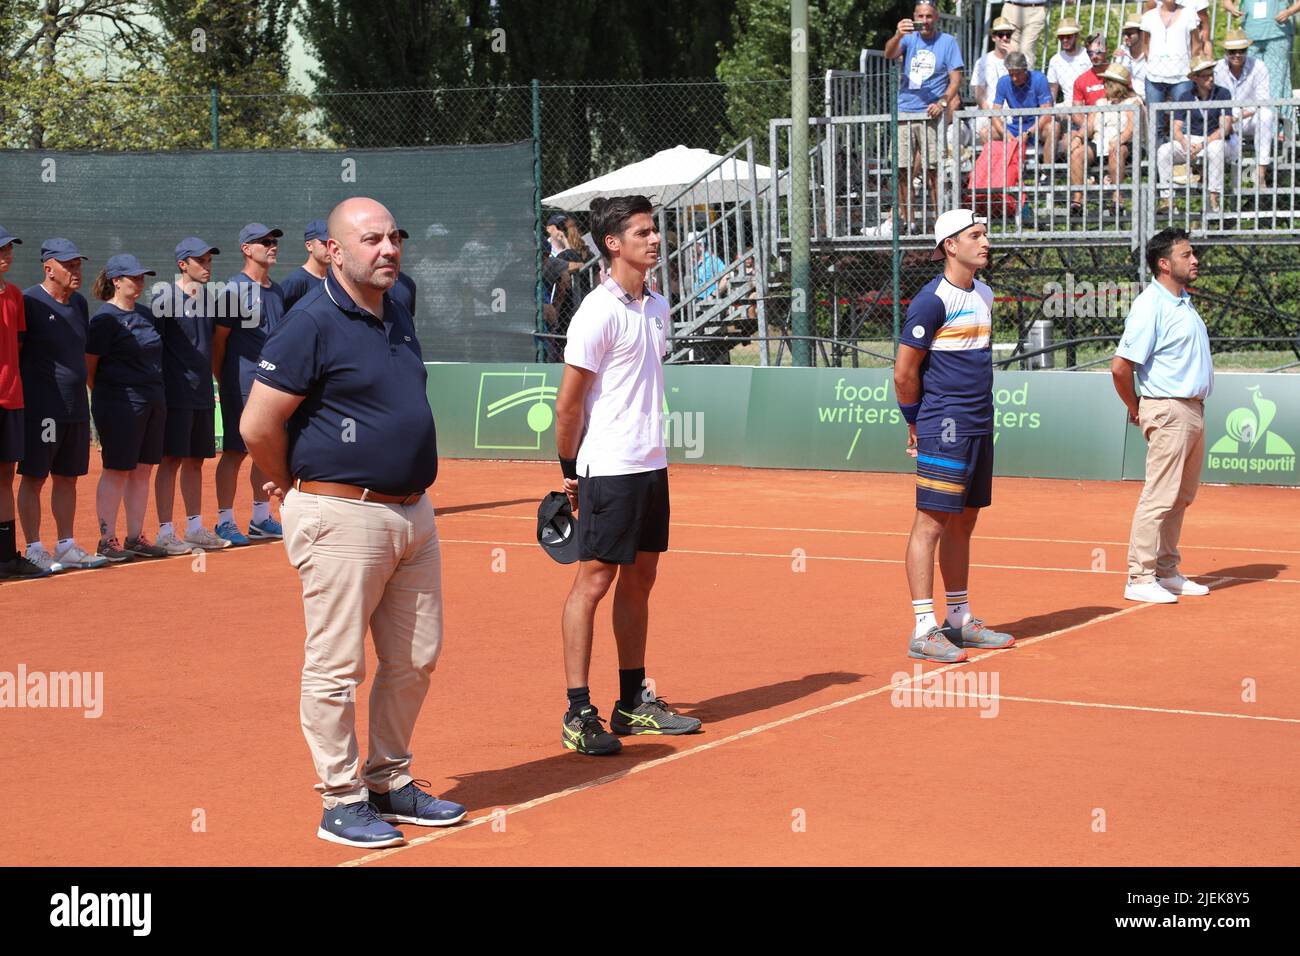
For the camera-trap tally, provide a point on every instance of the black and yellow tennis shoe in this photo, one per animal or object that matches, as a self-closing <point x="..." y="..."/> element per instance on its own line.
<point x="651" y="717"/>
<point x="584" y="732"/>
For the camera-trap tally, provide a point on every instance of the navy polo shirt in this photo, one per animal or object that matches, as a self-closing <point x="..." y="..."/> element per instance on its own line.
<point x="251" y="314"/>
<point x="365" y="418"/>
<point x="130" y="349"/>
<point x="53" y="360"/>
<point x="1202" y="122"/>
<point x="296" y="285"/>
<point x="403" y="291"/>
<point x="187" y="347"/>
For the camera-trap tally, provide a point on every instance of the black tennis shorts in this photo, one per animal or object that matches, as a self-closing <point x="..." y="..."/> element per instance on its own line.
<point x="66" y="453"/>
<point x="129" y="434"/>
<point x="190" y="433"/>
<point x="619" y="515"/>
<point x="12" y="431"/>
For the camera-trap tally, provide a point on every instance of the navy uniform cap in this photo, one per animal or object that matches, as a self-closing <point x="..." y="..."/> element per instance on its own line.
<point x="257" y="230"/>
<point x="316" y="229"/>
<point x="125" y="264"/>
<point x="6" y="237"/>
<point x="61" y="249"/>
<point x="557" y="528"/>
<point x="192" y="247"/>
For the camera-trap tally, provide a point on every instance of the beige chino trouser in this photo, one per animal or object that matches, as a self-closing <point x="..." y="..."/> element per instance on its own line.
<point x="364" y="565"/>
<point x="1175" y="432"/>
<point x="1029" y="23"/>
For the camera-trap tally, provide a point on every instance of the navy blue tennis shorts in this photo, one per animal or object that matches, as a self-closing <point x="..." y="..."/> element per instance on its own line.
<point x="954" y="475"/>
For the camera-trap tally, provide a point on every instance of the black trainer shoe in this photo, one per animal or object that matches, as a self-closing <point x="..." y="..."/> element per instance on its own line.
<point x="585" y="733"/>
<point x="20" y="567"/>
<point x="652" y="717"/>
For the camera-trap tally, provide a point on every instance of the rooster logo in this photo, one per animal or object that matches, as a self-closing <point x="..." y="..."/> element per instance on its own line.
<point x="1245" y="427"/>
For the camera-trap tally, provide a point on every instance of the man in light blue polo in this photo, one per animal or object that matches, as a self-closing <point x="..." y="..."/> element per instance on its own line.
<point x="1165" y="343"/>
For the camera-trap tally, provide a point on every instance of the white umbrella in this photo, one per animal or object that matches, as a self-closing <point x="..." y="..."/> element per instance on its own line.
<point x="663" y="176"/>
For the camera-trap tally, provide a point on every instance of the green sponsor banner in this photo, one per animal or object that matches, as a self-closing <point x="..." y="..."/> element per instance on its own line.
<point x="1047" y="424"/>
<point x="1252" y="431"/>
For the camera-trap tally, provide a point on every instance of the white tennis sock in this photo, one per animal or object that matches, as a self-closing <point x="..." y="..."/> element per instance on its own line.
<point x="65" y="543"/>
<point x="924" y="613"/>
<point x="261" y="511"/>
<point x="166" y="528"/>
<point x="225" y="514"/>
<point x="193" y="524"/>
<point x="958" y="608"/>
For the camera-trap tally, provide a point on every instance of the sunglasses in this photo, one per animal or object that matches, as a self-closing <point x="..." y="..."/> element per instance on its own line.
<point x="1002" y="36"/>
<point x="265" y="242"/>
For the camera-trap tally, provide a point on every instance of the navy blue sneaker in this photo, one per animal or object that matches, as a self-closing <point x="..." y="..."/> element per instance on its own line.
<point x="357" y="824"/>
<point x="410" y="804"/>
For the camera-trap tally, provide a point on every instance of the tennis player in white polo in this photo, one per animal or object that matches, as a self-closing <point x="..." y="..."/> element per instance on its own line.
<point x="609" y="434"/>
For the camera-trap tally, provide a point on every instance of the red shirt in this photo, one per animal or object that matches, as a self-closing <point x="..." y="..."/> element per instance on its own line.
<point x="12" y="321"/>
<point x="1089" y="89"/>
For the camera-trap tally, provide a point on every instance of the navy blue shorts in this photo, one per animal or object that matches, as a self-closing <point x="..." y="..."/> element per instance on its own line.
<point x="59" y="448"/>
<point x="954" y="475"/>
<point x="619" y="515"/>
<point x="129" y="434"/>
<point x="190" y="433"/>
<point x="11" y="434"/>
<point x="232" y="407"/>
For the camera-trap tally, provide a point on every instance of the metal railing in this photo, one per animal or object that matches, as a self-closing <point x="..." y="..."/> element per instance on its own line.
<point x="1221" y="192"/>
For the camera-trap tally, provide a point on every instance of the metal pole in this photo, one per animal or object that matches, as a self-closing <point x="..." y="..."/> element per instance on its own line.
<point x="212" y="113"/>
<point x="801" y="351"/>
<point x="537" y="215"/>
<point x="896" y="255"/>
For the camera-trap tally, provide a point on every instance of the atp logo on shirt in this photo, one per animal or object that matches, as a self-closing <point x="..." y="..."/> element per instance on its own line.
<point x="269" y="366"/>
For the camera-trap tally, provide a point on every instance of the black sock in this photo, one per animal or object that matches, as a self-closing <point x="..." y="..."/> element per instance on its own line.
<point x="579" y="697"/>
<point x="630" y="684"/>
<point x="8" y="545"/>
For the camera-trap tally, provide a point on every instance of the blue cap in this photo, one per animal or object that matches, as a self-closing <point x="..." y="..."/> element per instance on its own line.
<point x="7" y="237"/>
<point x="558" y="219"/>
<point x="191" y="247"/>
<point x="59" y="248"/>
<point x="256" y="230"/>
<point x="316" y="229"/>
<point x="125" y="264"/>
<point x="403" y="233"/>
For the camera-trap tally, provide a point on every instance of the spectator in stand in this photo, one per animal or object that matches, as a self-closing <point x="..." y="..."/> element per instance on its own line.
<point x="555" y="296"/>
<point x="1196" y="131"/>
<point x="1270" y="25"/>
<point x="1089" y="90"/>
<point x="1028" y="18"/>
<point x="931" y="79"/>
<point x="707" y="267"/>
<point x="1132" y="53"/>
<point x="555" y="232"/>
<point x="1067" y="64"/>
<point x="1115" y="130"/>
<point x="1247" y="78"/>
<point x="1023" y="88"/>
<point x="990" y="68"/>
<point x="1170" y="30"/>
<point x="1202" y="41"/>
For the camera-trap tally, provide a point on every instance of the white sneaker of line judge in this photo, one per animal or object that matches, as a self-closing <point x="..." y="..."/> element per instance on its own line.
<point x="1181" y="586"/>
<point x="1149" y="593"/>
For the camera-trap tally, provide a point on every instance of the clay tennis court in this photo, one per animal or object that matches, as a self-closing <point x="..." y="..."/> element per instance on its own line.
<point x="1120" y="734"/>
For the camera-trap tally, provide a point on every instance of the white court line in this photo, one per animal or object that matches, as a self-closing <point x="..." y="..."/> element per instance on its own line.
<point x="741" y="735"/>
<point x="859" y="560"/>
<point x="976" y="698"/>
<point x="899" y="534"/>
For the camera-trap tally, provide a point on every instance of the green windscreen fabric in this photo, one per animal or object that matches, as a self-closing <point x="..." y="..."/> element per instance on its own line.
<point x="469" y="211"/>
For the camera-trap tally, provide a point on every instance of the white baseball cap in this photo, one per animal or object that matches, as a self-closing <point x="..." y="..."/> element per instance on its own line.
<point x="950" y="224"/>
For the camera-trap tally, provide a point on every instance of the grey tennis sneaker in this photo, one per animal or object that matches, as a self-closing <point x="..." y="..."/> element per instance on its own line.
<point x="975" y="634"/>
<point x="651" y="717"/>
<point x="934" y="646"/>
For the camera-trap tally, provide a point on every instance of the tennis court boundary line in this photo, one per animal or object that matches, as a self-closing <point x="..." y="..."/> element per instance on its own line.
<point x="976" y="698"/>
<point x="860" y="560"/>
<point x="896" y="534"/>
<point x="889" y="688"/>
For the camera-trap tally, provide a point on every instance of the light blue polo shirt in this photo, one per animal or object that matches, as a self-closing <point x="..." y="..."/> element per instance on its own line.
<point x="1167" y="341"/>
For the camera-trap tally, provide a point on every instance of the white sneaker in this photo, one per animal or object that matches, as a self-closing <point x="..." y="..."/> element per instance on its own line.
<point x="43" y="560"/>
<point x="172" y="544"/>
<point x="1180" y="585"/>
<point x="1150" y="593"/>
<point x="73" y="557"/>
<point x="205" y="539"/>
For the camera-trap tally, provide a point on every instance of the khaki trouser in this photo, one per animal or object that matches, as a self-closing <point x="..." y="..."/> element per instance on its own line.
<point x="1029" y="23"/>
<point x="1175" y="432"/>
<point x="364" y="565"/>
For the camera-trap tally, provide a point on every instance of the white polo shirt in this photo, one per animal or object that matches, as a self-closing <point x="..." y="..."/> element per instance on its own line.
<point x="623" y="340"/>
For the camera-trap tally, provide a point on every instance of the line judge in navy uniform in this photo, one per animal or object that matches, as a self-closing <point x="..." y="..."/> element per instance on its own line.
<point x="308" y="275"/>
<point x="339" y="421"/>
<point x="244" y="320"/>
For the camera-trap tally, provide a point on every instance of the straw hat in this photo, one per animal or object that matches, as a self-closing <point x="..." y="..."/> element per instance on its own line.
<point x="1200" y="65"/>
<point x="1002" y="25"/>
<point x="1236" y="40"/>
<point x="1067" y="27"/>
<point x="1132" y="23"/>
<point x="1119" y="72"/>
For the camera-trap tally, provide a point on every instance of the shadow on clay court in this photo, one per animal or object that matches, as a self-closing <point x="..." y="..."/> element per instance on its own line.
<point x="537" y="778"/>
<point x="484" y="505"/>
<point x="741" y="702"/>
<point x="1040" y="624"/>
<point x="1245" y="574"/>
